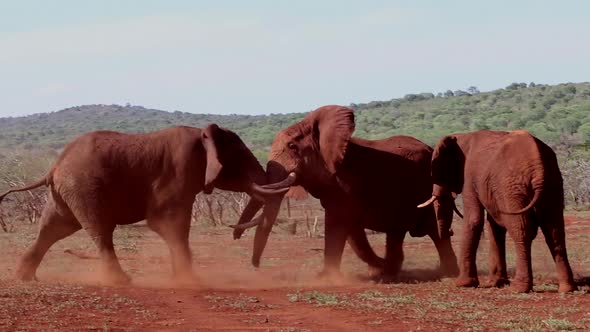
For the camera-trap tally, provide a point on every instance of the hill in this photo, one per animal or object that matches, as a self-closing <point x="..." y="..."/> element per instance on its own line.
<point x="556" y="114"/>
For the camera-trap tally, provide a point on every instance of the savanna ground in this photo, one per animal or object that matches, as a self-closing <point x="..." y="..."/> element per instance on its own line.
<point x="283" y="295"/>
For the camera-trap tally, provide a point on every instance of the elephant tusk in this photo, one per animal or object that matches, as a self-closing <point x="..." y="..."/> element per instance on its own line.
<point x="261" y="192"/>
<point x="244" y="226"/>
<point x="457" y="211"/>
<point x="287" y="182"/>
<point x="428" y="202"/>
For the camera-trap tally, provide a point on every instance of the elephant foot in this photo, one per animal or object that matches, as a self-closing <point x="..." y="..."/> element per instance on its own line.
<point x="374" y="271"/>
<point x="23" y="274"/>
<point x="521" y="287"/>
<point x="115" y="279"/>
<point x="567" y="287"/>
<point x="467" y="282"/>
<point x="497" y="282"/>
<point x="186" y="280"/>
<point x="27" y="268"/>
<point x="385" y="278"/>
<point x="331" y="276"/>
<point x="381" y="276"/>
<point x="449" y="269"/>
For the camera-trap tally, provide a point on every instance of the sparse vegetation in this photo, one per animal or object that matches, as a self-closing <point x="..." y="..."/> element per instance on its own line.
<point x="278" y="296"/>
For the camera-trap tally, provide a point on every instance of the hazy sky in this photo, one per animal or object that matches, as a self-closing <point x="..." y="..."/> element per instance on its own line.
<point x="278" y="56"/>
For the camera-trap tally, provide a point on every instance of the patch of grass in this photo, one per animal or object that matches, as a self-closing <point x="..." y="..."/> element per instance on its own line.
<point x="376" y="296"/>
<point x="473" y="315"/>
<point x="445" y="305"/>
<point x="375" y="322"/>
<point x="545" y="288"/>
<point x="521" y="326"/>
<point x="559" y="324"/>
<point x="241" y="302"/>
<point x="318" y="298"/>
<point x="518" y="296"/>
<point x="564" y="310"/>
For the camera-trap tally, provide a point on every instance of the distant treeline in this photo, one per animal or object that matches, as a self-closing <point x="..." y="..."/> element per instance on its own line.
<point x="558" y="114"/>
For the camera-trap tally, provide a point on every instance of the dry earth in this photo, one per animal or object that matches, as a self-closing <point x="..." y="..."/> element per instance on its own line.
<point x="283" y="295"/>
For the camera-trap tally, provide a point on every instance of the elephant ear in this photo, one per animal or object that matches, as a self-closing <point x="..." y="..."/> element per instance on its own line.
<point x="213" y="164"/>
<point x="447" y="165"/>
<point x="445" y="146"/>
<point x="334" y="126"/>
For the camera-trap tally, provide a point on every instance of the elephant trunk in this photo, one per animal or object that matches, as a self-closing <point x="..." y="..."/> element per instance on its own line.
<point x="270" y="212"/>
<point x="280" y="177"/>
<point x="253" y="206"/>
<point x="444" y="205"/>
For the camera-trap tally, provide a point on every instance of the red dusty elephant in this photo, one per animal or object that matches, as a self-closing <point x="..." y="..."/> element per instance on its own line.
<point x="103" y="179"/>
<point x="515" y="178"/>
<point x="360" y="183"/>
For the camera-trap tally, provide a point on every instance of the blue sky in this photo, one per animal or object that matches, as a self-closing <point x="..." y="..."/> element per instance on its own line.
<point x="260" y="57"/>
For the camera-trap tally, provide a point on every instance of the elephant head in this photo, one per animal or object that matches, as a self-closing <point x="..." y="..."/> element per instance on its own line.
<point x="448" y="162"/>
<point x="231" y="165"/>
<point x="308" y="153"/>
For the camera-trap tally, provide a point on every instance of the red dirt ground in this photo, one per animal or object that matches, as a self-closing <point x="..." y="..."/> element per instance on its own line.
<point x="284" y="294"/>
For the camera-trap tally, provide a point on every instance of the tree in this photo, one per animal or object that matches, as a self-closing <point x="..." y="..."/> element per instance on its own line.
<point x="584" y="132"/>
<point x="571" y="89"/>
<point x="512" y="86"/>
<point x="449" y="93"/>
<point x="473" y="90"/>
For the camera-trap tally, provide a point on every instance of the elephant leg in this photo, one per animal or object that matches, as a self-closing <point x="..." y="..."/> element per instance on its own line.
<point x="554" y="233"/>
<point x="448" y="260"/>
<point x="522" y="230"/>
<point x="473" y="226"/>
<point x="498" y="273"/>
<point x="360" y="245"/>
<point x="111" y="270"/>
<point x="336" y="233"/>
<point x="394" y="253"/>
<point x="52" y="228"/>
<point x="174" y="229"/>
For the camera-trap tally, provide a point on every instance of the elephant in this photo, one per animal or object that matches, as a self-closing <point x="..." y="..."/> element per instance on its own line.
<point x="362" y="184"/>
<point x="104" y="178"/>
<point x="515" y="178"/>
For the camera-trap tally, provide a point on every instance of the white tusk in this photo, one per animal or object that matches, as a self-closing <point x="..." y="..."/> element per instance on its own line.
<point x="428" y="202"/>
<point x="254" y="222"/>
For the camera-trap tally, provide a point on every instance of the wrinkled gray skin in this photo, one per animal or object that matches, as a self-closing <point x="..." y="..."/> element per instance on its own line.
<point x="103" y="179"/>
<point x="360" y="183"/>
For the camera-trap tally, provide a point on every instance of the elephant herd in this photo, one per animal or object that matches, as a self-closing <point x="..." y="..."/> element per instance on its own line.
<point x="396" y="185"/>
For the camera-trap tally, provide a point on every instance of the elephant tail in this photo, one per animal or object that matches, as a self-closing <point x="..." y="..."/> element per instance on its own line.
<point x="45" y="181"/>
<point x="528" y="207"/>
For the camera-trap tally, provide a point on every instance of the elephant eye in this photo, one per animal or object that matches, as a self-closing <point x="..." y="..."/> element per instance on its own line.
<point x="292" y="146"/>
